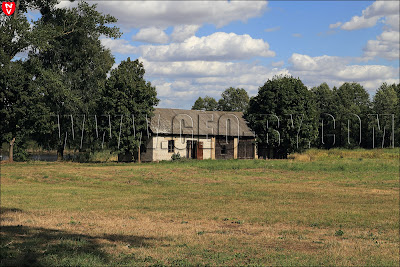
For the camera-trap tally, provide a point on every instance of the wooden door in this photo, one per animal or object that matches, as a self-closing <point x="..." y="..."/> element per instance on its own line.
<point x="200" y="150"/>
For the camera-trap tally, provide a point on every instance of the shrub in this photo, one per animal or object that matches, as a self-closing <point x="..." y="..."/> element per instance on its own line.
<point x="176" y="156"/>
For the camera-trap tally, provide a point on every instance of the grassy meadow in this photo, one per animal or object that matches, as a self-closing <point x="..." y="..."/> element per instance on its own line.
<point x="336" y="207"/>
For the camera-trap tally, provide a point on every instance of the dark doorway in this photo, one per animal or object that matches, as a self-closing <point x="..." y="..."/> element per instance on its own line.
<point x="191" y="149"/>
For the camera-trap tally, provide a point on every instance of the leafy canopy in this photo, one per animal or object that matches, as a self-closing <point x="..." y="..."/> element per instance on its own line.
<point x="287" y="99"/>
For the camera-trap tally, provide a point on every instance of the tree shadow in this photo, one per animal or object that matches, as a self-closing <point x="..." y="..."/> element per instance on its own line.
<point x="4" y="210"/>
<point x="37" y="246"/>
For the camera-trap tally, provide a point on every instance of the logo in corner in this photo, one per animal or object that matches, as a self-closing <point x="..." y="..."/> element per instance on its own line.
<point x="8" y="8"/>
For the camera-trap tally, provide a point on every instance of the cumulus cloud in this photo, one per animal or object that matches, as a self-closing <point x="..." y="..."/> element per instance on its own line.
<point x="393" y="21"/>
<point x="217" y="46"/>
<point x="151" y="35"/>
<point x="385" y="46"/>
<point x="163" y="14"/>
<point x="182" y="32"/>
<point x="192" y="79"/>
<point x="372" y="14"/>
<point x="118" y="46"/>
<point x="336" y="70"/>
<point x="357" y="23"/>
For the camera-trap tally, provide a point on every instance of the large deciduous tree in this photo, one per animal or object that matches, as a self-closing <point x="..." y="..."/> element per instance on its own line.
<point x="325" y="103"/>
<point x="20" y="101"/>
<point x="287" y="99"/>
<point x="233" y="99"/>
<point x="385" y="104"/>
<point x="207" y="103"/>
<point x="352" y="106"/>
<point x="129" y="100"/>
<point x="71" y="70"/>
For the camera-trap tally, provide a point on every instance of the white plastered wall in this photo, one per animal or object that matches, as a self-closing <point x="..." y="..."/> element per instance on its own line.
<point x="157" y="147"/>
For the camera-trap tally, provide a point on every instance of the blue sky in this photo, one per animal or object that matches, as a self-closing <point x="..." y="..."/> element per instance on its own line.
<point x="198" y="48"/>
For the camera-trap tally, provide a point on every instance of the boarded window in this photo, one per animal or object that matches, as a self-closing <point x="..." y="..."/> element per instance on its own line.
<point x="171" y="145"/>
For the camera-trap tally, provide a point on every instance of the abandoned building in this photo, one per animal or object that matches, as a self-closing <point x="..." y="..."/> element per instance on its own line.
<point x="198" y="135"/>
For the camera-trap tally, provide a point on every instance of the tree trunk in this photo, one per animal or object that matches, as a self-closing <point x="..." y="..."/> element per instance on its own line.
<point x="60" y="153"/>
<point x="11" y="151"/>
<point x="16" y="9"/>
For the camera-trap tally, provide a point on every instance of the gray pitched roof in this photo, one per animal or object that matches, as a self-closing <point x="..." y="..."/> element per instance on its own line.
<point x="198" y="122"/>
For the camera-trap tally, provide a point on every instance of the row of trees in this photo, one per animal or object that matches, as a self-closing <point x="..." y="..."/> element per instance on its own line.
<point x="288" y="117"/>
<point x="57" y="66"/>
<point x="66" y="71"/>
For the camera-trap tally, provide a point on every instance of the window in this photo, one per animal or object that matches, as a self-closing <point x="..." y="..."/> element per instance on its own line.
<point x="171" y="146"/>
<point x="223" y="150"/>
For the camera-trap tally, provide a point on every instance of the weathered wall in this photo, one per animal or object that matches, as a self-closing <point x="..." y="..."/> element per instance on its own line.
<point x="241" y="149"/>
<point x="157" y="147"/>
<point x="246" y="149"/>
<point x="220" y="142"/>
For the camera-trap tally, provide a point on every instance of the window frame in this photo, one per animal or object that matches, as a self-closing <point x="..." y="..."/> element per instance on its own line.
<point x="171" y="146"/>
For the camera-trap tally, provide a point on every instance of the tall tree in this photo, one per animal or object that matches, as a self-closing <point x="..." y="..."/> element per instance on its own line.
<point x="19" y="104"/>
<point x="72" y="69"/>
<point x="207" y="103"/>
<point x="233" y="99"/>
<point x="129" y="100"/>
<point x="352" y="105"/>
<point x="287" y="99"/>
<point x="325" y="103"/>
<point x="385" y="103"/>
<point x="20" y="107"/>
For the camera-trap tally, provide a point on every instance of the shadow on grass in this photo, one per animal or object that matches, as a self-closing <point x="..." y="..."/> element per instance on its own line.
<point x="36" y="246"/>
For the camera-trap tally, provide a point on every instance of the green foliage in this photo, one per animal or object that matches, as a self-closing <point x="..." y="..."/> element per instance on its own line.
<point x="287" y="98"/>
<point x="21" y="104"/>
<point x="207" y="103"/>
<point x="385" y="103"/>
<point x="350" y="99"/>
<point x="234" y="99"/>
<point x="128" y="94"/>
<point x="324" y="98"/>
<point x="71" y="79"/>
<point x="176" y="156"/>
<point x="339" y="232"/>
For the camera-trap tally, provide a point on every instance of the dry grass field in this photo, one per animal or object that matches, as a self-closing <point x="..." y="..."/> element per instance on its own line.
<point x="336" y="207"/>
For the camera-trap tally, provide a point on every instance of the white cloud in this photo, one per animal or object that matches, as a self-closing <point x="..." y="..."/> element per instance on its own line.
<point x="151" y="35"/>
<point x="162" y="14"/>
<point x="385" y="46"/>
<point x="393" y="21"/>
<point x="357" y="23"/>
<point x="372" y="14"/>
<point x="119" y="46"/>
<point x="304" y="62"/>
<point x="217" y="46"/>
<point x="382" y="8"/>
<point x="191" y="79"/>
<point x="335" y="25"/>
<point x="182" y="32"/>
<point x="336" y="70"/>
